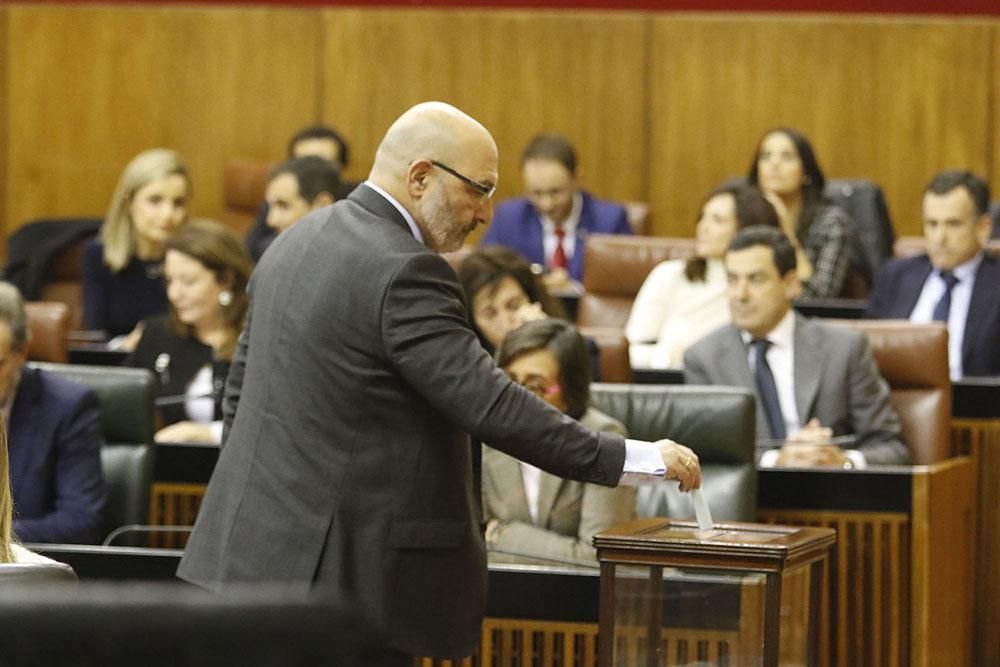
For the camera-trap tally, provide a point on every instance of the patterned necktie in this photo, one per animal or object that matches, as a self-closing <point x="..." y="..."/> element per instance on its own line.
<point x="767" y="390"/>
<point x="559" y="256"/>
<point x="944" y="305"/>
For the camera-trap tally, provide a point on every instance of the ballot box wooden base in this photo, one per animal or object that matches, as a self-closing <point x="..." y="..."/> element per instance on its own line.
<point x="658" y="574"/>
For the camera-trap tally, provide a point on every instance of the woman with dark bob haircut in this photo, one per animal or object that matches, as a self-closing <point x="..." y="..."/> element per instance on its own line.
<point x="531" y="513"/>
<point x="786" y="169"/>
<point x="501" y="293"/>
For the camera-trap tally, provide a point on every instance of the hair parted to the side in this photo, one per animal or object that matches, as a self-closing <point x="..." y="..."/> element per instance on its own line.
<point x="118" y="231"/>
<point x="6" y="500"/>
<point x="949" y="179"/>
<point x="313" y="174"/>
<point x="484" y="268"/>
<point x="569" y="349"/>
<point x="14" y="315"/>
<point x="813" y="199"/>
<point x="751" y="209"/>
<point x="782" y="250"/>
<point x="322" y="132"/>
<point x="551" y="146"/>
<point x="216" y="248"/>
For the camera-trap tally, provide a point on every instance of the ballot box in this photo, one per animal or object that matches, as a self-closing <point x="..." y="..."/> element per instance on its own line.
<point x="660" y="578"/>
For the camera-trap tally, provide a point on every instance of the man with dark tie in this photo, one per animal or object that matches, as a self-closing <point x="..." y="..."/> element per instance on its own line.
<point x="816" y="385"/>
<point x="954" y="282"/>
<point x="550" y="226"/>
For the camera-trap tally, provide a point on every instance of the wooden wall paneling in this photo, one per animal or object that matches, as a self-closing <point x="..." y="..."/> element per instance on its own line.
<point x="93" y="86"/>
<point x="4" y="64"/>
<point x="885" y="99"/>
<point x="582" y="74"/>
<point x="994" y="126"/>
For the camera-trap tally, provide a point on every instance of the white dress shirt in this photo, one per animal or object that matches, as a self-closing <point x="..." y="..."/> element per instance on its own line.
<point x="781" y="359"/>
<point x="549" y="238"/>
<point x="961" y="296"/>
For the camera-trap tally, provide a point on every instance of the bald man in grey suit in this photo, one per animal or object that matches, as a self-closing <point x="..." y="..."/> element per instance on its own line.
<point x="826" y="380"/>
<point x="358" y="379"/>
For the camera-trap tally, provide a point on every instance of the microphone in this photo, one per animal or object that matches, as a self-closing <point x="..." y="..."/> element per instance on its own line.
<point x="162" y="367"/>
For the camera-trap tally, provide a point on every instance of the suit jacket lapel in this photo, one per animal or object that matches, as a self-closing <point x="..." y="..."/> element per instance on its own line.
<point x="506" y="473"/>
<point x="911" y="285"/>
<point x="547" y="491"/>
<point x="808" y="359"/>
<point x="21" y="427"/>
<point x="987" y="279"/>
<point x="583" y="229"/>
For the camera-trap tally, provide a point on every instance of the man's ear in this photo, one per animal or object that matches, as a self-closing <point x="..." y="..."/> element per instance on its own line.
<point x="416" y="177"/>
<point x="321" y="200"/>
<point x="793" y="286"/>
<point x="984" y="228"/>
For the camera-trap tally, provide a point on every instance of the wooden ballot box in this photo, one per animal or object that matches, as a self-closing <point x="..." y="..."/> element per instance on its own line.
<point x="658" y="575"/>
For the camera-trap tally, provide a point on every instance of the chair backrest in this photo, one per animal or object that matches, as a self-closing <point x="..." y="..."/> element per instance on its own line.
<point x="35" y="573"/>
<point x="716" y="422"/>
<point x="913" y="359"/>
<point x="243" y="186"/>
<point x="49" y="323"/>
<point x="614" y="269"/>
<point x="865" y="203"/>
<point x="44" y="261"/>
<point x="126" y="402"/>
<point x="613" y="346"/>
<point x="638" y="216"/>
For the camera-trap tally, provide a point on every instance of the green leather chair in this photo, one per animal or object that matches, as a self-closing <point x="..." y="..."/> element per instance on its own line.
<point x="716" y="422"/>
<point x="127" y="457"/>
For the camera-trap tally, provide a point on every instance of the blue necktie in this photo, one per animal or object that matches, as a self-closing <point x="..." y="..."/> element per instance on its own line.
<point x="767" y="390"/>
<point x="944" y="305"/>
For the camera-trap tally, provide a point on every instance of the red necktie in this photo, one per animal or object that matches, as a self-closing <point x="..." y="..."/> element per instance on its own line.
<point x="559" y="256"/>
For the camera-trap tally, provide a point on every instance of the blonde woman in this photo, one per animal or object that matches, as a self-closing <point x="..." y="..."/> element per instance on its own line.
<point x="122" y="281"/>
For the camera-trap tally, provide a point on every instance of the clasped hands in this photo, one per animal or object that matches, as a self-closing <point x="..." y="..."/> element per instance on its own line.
<point x="682" y="464"/>
<point x="812" y="447"/>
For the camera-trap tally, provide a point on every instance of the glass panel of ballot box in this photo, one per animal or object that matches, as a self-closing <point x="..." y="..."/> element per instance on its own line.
<point x="738" y="594"/>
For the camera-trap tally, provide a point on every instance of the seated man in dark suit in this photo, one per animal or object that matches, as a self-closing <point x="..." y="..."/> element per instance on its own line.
<point x="955" y="282"/>
<point x="550" y="226"/>
<point x="816" y="385"/>
<point x="53" y="439"/>
<point x="316" y="140"/>
<point x="297" y="187"/>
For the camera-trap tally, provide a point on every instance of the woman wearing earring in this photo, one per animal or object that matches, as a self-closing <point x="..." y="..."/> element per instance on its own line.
<point x="786" y="170"/>
<point x="205" y="269"/>
<point x="122" y="282"/>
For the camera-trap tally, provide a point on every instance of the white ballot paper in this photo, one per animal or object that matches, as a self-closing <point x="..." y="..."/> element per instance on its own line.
<point x="701" y="511"/>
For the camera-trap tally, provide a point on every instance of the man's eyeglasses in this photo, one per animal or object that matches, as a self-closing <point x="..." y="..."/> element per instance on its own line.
<point x="482" y="188"/>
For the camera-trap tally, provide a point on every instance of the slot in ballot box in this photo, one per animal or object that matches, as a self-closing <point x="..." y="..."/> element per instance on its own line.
<point x="659" y="574"/>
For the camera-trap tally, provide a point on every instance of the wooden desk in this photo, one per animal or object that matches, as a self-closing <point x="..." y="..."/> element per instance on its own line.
<point x="975" y="431"/>
<point x="901" y="577"/>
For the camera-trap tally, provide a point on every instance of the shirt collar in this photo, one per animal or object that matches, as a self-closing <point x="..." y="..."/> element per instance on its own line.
<point x="417" y="234"/>
<point x="966" y="271"/>
<point x="571" y="221"/>
<point x="781" y="335"/>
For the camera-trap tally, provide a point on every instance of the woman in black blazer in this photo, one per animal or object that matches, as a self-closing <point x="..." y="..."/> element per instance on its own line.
<point x="206" y="270"/>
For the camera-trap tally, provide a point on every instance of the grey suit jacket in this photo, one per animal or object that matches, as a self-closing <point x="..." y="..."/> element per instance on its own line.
<point x="347" y="465"/>
<point x="569" y="513"/>
<point x="836" y="381"/>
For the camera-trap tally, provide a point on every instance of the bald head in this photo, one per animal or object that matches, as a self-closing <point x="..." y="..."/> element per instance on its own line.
<point x="438" y="162"/>
<point x="432" y="130"/>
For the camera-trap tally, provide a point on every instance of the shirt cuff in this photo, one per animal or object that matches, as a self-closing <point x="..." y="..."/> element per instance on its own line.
<point x="643" y="463"/>
<point x="857" y="458"/>
<point x="769" y="459"/>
